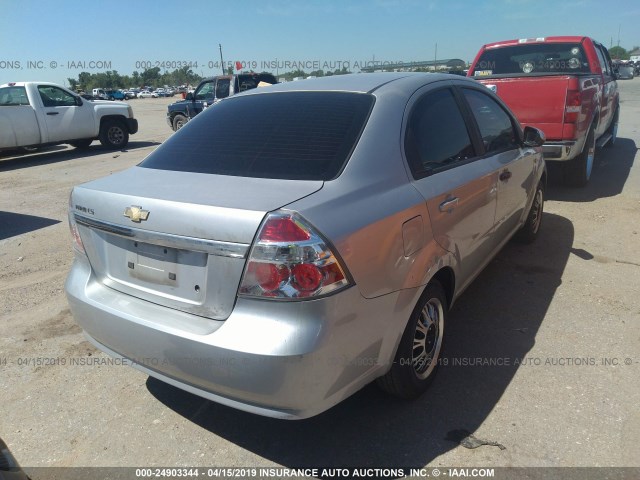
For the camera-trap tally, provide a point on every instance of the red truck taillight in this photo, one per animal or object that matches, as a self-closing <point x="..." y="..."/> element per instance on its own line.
<point x="573" y="106"/>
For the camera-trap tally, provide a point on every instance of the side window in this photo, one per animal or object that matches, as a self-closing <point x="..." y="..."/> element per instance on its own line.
<point x="222" y="88"/>
<point x="496" y="127"/>
<point x="205" y="92"/>
<point x="603" y="62"/>
<point x="436" y="135"/>
<point x="55" y="97"/>
<point x="608" y="59"/>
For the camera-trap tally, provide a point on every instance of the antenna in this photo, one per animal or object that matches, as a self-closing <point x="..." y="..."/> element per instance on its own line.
<point x="619" y="27"/>
<point x="221" y="60"/>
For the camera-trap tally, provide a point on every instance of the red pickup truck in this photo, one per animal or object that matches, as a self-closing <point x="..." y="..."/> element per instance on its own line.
<point x="565" y="86"/>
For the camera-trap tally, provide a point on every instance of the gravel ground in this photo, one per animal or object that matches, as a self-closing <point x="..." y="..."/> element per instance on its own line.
<point x="567" y="307"/>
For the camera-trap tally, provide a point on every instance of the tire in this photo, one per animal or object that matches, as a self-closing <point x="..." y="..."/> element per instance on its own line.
<point x="178" y="122"/>
<point x="81" y="143"/>
<point x="529" y="231"/>
<point x="577" y="172"/>
<point x="613" y="128"/>
<point x="113" y="134"/>
<point x="414" y="367"/>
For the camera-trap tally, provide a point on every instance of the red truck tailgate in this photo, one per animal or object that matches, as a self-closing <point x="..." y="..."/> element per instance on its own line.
<point x="536" y="101"/>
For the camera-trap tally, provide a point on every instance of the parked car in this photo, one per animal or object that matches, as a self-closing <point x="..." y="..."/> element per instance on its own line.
<point x="99" y="94"/>
<point x="115" y="95"/>
<point x="129" y="94"/>
<point x="566" y="86"/>
<point x="147" y="94"/>
<point x="626" y="71"/>
<point x="210" y="91"/>
<point x="35" y="114"/>
<point x="296" y="259"/>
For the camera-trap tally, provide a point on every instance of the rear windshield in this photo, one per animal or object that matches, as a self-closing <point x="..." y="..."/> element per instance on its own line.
<point x="288" y="135"/>
<point x="249" y="81"/>
<point x="11" y="96"/>
<point x="533" y="59"/>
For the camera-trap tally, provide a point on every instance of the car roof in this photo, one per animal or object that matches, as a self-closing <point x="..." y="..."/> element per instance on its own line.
<point x="22" y="84"/>
<point x="521" y="41"/>
<point x="358" y="83"/>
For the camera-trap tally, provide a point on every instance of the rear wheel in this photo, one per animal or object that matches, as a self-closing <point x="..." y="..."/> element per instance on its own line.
<point x="577" y="172"/>
<point x="113" y="134"/>
<point x="417" y="358"/>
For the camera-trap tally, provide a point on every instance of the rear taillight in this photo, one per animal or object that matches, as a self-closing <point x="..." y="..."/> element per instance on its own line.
<point x="75" y="234"/>
<point x="573" y="106"/>
<point x="290" y="260"/>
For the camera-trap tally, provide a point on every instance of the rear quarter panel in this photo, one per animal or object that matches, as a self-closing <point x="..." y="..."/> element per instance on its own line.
<point x="18" y="127"/>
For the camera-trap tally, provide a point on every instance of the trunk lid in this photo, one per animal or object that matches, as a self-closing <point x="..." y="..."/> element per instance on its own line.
<point x="177" y="239"/>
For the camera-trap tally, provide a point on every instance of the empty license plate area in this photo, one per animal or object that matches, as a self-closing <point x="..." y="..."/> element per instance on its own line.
<point x="153" y="263"/>
<point x="156" y="269"/>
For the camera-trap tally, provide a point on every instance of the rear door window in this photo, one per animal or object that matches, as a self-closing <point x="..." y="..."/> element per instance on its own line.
<point x="495" y="125"/>
<point x="287" y="135"/>
<point x="437" y="137"/>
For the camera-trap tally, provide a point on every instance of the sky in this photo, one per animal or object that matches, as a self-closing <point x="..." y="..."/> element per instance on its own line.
<point x="51" y="41"/>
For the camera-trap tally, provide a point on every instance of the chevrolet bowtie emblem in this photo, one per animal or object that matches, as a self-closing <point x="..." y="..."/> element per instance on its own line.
<point x="136" y="214"/>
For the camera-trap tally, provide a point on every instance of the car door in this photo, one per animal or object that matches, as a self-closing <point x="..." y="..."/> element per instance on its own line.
<point x="501" y="143"/>
<point x="67" y="117"/>
<point x="458" y="186"/>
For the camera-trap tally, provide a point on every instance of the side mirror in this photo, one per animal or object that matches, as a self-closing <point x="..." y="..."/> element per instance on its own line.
<point x="189" y="96"/>
<point x="533" y="137"/>
<point x="79" y="101"/>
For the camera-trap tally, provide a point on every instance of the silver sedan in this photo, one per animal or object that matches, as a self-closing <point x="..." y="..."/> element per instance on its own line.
<point x="295" y="242"/>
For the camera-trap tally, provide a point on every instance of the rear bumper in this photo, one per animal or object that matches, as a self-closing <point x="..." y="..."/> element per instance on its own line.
<point x="132" y="125"/>
<point x="287" y="360"/>
<point x="562" y="151"/>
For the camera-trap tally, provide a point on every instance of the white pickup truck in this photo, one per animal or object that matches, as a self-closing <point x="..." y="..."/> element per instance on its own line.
<point x="34" y="114"/>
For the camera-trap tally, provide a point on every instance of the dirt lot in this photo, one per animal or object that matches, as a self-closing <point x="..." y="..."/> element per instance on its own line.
<point x="568" y="306"/>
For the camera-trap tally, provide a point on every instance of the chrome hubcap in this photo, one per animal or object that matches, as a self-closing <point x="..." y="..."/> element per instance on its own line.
<point x="427" y="339"/>
<point x="536" y="210"/>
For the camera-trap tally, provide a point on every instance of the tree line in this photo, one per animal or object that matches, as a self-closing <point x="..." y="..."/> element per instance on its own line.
<point x="150" y="77"/>
<point x="619" y="53"/>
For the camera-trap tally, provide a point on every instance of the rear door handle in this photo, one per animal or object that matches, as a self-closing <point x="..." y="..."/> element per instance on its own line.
<point x="448" y="205"/>
<point x="505" y="175"/>
<point x="52" y="113"/>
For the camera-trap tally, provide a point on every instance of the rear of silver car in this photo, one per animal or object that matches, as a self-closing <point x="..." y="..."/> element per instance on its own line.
<point x="283" y="249"/>
<point x="210" y="283"/>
